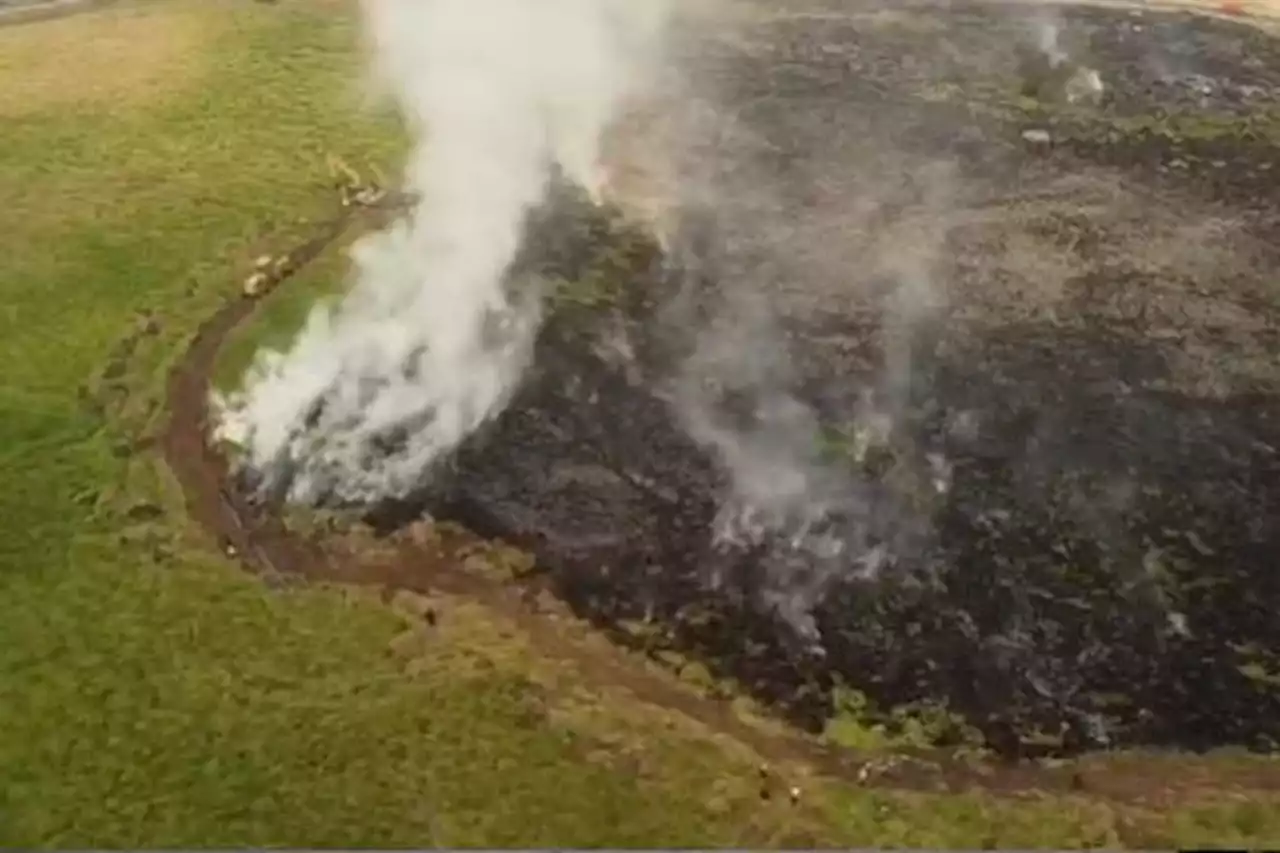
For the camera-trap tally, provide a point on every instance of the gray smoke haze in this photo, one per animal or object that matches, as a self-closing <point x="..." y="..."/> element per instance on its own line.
<point x="1046" y="29"/>
<point x="428" y="343"/>
<point x="846" y="227"/>
<point x="431" y="341"/>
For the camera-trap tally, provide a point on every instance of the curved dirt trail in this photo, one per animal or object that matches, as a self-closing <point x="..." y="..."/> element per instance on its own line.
<point x="266" y="547"/>
<point x="263" y="545"/>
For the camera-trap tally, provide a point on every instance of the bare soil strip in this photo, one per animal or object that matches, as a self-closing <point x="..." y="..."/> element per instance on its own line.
<point x="266" y="547"/>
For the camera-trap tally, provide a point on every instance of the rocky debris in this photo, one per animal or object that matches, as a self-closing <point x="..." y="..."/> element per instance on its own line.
<point x="365" y="196"/>
<point x="353" y="189"/>
<point x="256" y="284"/>
<point x="268" y="271"/>
<point x="1084" y="86"/>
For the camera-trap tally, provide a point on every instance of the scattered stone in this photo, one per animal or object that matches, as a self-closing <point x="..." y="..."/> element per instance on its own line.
<point x="262" y="262"/>
<point x="1084" y="86"/>
<point x="368" y="196"/>
<point x="255" y="284"/>
<point x="794" y="793"/>
<point x="1037" y="136"/>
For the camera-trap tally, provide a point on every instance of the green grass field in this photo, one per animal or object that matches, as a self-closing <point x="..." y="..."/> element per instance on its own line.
<point x="152" y="694"/>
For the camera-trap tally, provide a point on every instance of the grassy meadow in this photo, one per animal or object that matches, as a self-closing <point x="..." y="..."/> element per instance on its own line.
<point x="151" y="693"/>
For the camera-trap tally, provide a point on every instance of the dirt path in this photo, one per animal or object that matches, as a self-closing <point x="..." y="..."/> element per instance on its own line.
<point x="264" y="546"/>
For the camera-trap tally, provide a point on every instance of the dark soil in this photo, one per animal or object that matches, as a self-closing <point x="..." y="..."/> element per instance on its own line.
<point x="264" y="545"/>
<point x="435" y="563"/>
<point x="1097" y="567"/>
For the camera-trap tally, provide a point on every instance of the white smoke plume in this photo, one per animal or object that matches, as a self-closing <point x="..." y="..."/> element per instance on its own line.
<point x="1046" y="27"/>
<point x="429" y="343"/>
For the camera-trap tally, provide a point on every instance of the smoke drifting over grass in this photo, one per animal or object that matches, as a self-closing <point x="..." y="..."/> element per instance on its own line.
<point x="430" y="341"/>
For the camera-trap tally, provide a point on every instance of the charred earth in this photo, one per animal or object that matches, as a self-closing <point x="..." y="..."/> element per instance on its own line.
<point x="1015" y="359"/>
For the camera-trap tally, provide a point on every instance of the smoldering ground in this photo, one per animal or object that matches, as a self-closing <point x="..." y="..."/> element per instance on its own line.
<point x="911" y="401"/>
<point x="918" y="405"/>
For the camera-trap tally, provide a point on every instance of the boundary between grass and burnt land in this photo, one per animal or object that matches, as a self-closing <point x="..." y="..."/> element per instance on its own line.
<point x="261" y="542"/>
<point x="263" y="545"/>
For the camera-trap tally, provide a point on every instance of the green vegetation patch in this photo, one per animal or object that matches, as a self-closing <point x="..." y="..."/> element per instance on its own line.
<point x="152" y="694"/>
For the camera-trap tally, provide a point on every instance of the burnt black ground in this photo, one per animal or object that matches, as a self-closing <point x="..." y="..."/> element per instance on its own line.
<point x="1099" y="566"/>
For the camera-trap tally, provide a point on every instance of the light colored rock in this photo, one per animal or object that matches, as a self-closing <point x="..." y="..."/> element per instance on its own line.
<point x="1084" y="86"/>
<point x="255" y="284"/>
<point x="1037" y="136"/>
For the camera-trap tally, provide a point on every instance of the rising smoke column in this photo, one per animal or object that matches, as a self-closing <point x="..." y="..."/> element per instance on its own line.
<point x="429" y="342"/>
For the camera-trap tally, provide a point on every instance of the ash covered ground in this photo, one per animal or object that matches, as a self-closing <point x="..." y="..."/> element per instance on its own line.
<point x="945" y="389"/>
